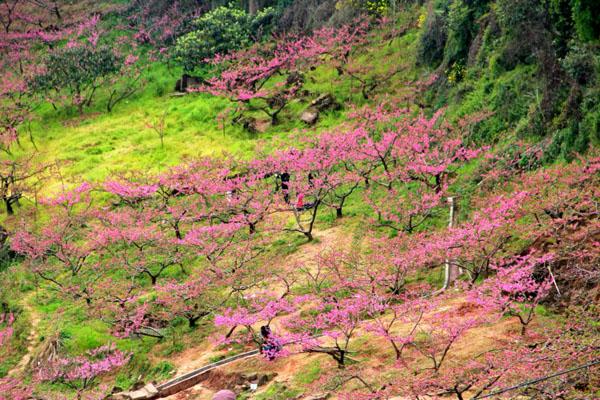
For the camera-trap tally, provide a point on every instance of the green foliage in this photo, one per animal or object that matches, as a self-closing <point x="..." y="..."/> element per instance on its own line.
<point x="141" y="367"/>
<point x="433" y="38"/>
<point x="459" y="33"/>
<point x="78" y="70"/>
<point x="220" y="31"/>
<point x="310" y="373"/>
<point x="586" y="19"/>
<point x="566" y="143"/>
<point x="580" y="63"/>
<point x="161" y="371"/>
<point x="519" y="19"/>
<point x="278" y="391"/>
<point x="371" y="7"/>
<point x="541" y="87"/>
<point x="590" y="109"/>
<point x="513" y="15"/>
<point x="216" y="358"/>
<point x="80" y="338"/>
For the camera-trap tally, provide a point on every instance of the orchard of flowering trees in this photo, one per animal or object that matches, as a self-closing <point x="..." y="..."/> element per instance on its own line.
<point x="193" y="243"/>
<point x="205" y="244"/>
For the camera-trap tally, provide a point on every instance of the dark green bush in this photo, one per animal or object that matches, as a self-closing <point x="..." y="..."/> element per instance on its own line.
<point x="433" y="38"/>
<point x="219" y="32"/>
<point x="586" y="16"/>
<point x="77" y="71"/>
<point x="566" y="143"/>
<point x="580" y="64"/>
<point x="523" y="31"/>
<point x="459" y="33"/>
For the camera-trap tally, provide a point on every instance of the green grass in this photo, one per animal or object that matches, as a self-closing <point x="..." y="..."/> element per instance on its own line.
<point x="99" y="145"/>
<point x="278" y="391"/>
<point x="309" y="373"/>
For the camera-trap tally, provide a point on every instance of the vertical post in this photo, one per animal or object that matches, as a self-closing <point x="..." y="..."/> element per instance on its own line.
<point x="449" y="273"/>
<point x="393" y="7"/>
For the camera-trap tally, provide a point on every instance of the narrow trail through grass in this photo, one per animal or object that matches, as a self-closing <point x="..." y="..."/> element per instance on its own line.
<point x="32" y="338"/>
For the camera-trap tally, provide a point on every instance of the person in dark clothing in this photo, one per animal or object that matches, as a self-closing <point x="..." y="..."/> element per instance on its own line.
<point x="265" y="331"/>
<point x="270" y="346"/>
<point x="285" y="186"/>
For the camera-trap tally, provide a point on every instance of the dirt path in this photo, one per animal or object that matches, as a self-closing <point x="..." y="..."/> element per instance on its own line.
<point x="32" y="338"/>
<point x="197" y="357"/>
<point x="478" y="340"/>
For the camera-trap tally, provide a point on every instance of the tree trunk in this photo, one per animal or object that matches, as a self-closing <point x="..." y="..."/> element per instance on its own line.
<point x="252" y="7"/>
<point x="342" y="360"/>
<point x="9" y="207"/>
<point x="309" y="236"/>
<point x="396" y="350"/>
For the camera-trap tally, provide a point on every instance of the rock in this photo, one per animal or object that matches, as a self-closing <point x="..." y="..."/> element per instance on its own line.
<point x="310" y="116"/>
<point x="151" y="389"/>
<point x="188" y="82"/>
<point x="145" y="393"/>
<point x="250" y="124"/>
<point x="117" y="396"/>
<point x="325" y="102"/>
<point x="265" y="378"/>
<point x="295" y="78"/>
<point x="322" y="103"/>
<point x="250" y="377"/>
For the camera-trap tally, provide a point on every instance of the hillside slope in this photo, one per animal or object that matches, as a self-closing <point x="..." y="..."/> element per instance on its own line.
<point x="400" y="205"/>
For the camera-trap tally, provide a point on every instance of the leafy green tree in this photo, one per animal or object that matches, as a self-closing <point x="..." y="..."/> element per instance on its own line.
<point x="220" y="31"/>
<point x="73" y="74"/>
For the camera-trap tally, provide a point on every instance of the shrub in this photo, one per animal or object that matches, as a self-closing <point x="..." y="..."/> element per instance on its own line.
<point x="580" y="64"/>
<point x="566" y="143"/>
<point x="433" y="39"/>
<point x="519" y="19"/>
<point x="77" y="71"/>
<point x="585" y="18"/>
<point x="459" y="33"/>
<point x="220" y="31"/>
<point x="591" y="114"/>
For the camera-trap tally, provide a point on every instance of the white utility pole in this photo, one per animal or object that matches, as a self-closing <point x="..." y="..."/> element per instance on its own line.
<point x="449" y="275"/>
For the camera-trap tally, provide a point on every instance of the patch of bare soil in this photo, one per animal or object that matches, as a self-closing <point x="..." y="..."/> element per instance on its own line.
<point x="32" y="340"/>
<point x="376" y="354"/>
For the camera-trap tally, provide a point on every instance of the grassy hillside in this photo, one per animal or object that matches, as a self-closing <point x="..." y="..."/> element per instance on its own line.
<point x="452" y="56"/>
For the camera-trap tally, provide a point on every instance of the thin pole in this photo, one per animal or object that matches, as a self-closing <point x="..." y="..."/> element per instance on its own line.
<point x="531" y="382"/>
<point x="448" y="266"/>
